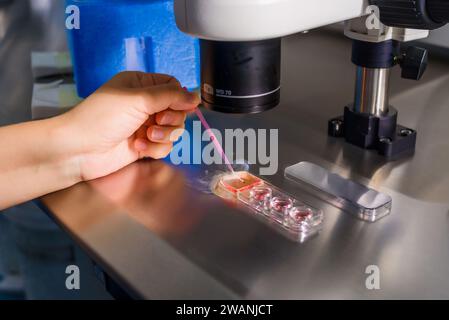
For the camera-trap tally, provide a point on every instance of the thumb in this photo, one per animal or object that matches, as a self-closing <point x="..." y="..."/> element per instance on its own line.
<point x="169" y="96"/>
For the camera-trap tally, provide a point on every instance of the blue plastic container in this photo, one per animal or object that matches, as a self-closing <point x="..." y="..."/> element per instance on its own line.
<point x="133" y="35"/>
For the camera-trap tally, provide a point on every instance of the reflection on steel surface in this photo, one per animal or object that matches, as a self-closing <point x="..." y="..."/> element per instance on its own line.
<point x="153" y="194"/>
<point x="200" y="177"/>
<point x="366" y="203"/>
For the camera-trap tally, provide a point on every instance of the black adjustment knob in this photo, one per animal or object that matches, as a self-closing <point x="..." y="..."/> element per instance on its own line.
<point x="407" y="14"/>
<point x="414" y="63"/>
<point x="438" y="10"/>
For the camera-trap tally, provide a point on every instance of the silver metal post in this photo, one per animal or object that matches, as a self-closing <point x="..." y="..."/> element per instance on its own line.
<point x="372" y="91"/>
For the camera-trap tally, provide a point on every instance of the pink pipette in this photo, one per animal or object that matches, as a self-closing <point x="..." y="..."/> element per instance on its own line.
<point x="214" y="139"/>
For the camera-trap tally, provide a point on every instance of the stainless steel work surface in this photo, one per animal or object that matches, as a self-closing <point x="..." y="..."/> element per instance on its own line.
<point x="159" y="238"/>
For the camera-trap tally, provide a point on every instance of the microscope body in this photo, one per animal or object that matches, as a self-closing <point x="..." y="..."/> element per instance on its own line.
<point x="251" y="20"/>
<point x="241" y="44"/>
<point x="241" y="56"/>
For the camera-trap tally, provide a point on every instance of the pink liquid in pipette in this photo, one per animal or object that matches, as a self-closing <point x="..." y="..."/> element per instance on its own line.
<point x="214" y="140"/>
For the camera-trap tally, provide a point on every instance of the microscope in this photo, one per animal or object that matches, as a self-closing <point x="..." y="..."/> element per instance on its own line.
<point x="241" y="56"/>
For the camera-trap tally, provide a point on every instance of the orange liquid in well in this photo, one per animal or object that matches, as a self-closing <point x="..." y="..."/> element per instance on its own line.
<point x="240" y="181"/>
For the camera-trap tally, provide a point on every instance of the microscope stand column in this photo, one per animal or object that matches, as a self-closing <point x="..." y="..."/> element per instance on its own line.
<point x="370" y="122"/>
<point x="372" y="91"/>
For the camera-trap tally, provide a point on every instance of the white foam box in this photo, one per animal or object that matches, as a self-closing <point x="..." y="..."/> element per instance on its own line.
<point x="52" y="99"/>
<point x="54" y="91"/>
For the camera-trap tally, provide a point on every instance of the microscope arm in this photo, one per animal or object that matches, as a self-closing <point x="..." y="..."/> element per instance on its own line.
<point x="248" y="20"/>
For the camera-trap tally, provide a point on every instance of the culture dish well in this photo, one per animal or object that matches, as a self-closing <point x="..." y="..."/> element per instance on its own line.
<point x="285" y="212"/>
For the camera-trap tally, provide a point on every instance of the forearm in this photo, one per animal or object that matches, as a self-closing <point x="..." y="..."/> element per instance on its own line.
<point x="34" y="161"/>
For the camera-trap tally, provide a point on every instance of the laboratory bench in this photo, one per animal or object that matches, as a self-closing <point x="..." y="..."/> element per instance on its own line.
<point x="157" y="236"/>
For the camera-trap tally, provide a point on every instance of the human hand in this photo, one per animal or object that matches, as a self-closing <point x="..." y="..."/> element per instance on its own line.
<point x="133" y="116"/>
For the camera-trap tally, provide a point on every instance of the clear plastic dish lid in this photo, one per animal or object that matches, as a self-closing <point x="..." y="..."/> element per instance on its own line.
<point x="295" y="219"/>
<point x="368" y="204"/>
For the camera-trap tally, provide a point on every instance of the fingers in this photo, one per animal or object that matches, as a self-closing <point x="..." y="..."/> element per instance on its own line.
<point x="155" y="138"/>
<point x="169" y="96"/>
<point x="147" y="149"/>
<point x="155" y="79"/>
<point x="171" y="118"/>
<point x="160" y="134"/>
<point x="150" y="92"/>
<point x="135" y="79"/>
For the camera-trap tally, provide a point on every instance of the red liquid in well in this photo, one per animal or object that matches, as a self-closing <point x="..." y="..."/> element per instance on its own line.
<point x="299" y="214"/>
<point x="260" y="193"/>
<point x="240" y="181"/>
<point x="281" y="204"/>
